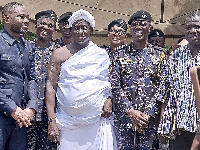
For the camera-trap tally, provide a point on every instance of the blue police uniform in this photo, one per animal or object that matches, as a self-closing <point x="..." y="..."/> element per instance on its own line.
<point x="17" y="88"/>
<point x="134" y="84"/>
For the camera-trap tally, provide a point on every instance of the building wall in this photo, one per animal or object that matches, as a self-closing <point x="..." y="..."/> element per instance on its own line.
<point x="167" y="15"/>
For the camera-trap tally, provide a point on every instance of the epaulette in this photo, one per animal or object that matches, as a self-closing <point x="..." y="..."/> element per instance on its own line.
<point x="158" y="48"/>
<point x="103" y="46"/>
<point x="121" y="47"/>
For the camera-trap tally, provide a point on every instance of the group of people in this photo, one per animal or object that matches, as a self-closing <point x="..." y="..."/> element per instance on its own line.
<point x="71" y="94"/>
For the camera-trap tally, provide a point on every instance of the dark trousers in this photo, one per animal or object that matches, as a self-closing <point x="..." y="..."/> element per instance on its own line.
<point x="12" y="137"/>
<point x="37" y="137"/>
<point x="182" y="141"/>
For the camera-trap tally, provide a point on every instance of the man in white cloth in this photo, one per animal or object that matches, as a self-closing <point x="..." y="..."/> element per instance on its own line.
<point x="78" y="77"/>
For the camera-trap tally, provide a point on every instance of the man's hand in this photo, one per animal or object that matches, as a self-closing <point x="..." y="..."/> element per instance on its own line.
<point x="21" y="117"/>
<point x="139" y="120"/>
<point x="30" y="112"/>
<point x="53" y="132"/>
<point x="107" y="108"/>
<point x="196" y="141"/>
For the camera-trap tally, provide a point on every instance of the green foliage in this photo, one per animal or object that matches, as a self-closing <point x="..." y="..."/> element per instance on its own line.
<point x="168" y="48"/>
<point x="1" y="24"/>
<point x="30" y="36"/>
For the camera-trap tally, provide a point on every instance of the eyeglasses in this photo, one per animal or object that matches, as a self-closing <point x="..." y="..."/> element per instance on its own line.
<point x="118" y="32"/>
<point x="142" y="24"/>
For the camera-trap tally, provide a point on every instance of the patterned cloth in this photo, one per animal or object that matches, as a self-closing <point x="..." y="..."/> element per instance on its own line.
<point x="37" y="134"/>
<point x="180" y="112"/>
<point x="42" y="58"/>
<point x="59" y="42"/>
<point x="111" y="54"/>
<point x="135" y="79"/>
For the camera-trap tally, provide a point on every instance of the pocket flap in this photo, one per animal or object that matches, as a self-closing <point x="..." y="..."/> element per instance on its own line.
<point x="4" y="81"/>
<point x="7" y="57"/>
<point x="6" y="91"/>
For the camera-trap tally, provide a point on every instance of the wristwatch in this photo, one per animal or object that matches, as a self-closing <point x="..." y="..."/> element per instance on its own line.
<point x="51" y="119"/>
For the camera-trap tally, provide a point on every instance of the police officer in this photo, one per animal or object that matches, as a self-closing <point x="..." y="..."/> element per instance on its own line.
<point x="43" y="48"/>
<point x="157" y="38"/>
<point x="64" y="29"/>
<point x="134" y="83"/>
<point x="17" y="80"/>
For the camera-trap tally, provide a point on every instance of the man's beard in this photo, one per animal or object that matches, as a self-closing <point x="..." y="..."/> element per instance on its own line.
<point x="17" y="30"/>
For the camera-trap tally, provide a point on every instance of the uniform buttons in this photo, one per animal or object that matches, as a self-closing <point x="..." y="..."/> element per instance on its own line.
<point x="3" y="82"/>
<point x="38" y="118"/>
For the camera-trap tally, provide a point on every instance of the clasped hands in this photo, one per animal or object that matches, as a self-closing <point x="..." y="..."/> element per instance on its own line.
<point x="23" y="117"/>
<point x="139" y="120"/>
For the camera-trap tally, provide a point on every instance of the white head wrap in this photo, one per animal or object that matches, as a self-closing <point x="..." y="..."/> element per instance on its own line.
<point x="82" y="14"/>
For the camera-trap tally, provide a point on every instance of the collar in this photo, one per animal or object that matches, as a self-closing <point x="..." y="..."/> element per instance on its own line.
<point x="9" y="39"/>
<point x="52" y="46"/>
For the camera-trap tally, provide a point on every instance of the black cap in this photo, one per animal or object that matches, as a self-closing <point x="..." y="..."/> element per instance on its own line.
<point x="47" y="13"/>
<point x="156" y="32"/>
<point x="65" y="17"/>
<point x="140" y="16"/>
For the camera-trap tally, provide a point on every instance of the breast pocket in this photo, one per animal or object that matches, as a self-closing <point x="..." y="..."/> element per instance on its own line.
<point x="8" y="62"/>
<point x="130" y="68"/>
<point x="6" y="87"/>
<point x="7" y="57"/>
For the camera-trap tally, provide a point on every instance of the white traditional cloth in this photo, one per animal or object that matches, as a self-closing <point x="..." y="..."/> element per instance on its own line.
<point x="83" y="88"/>
<point x="82" y="14"/>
